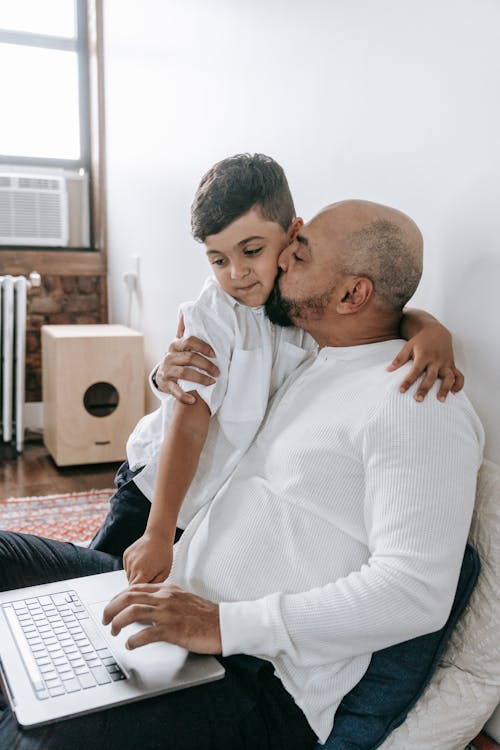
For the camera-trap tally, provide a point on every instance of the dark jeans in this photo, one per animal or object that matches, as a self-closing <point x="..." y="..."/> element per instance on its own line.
<point x="248" y="709"/>
<point x="127" y="517"/>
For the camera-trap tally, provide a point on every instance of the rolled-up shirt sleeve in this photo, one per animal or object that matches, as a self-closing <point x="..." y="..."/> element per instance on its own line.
<point x="212" y="327"/>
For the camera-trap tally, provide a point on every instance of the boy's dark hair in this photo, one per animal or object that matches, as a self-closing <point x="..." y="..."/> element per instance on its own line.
<point x="235" y="185"/>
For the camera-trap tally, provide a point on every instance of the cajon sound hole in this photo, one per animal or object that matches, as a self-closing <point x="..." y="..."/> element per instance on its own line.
<point x="101" y="399"/>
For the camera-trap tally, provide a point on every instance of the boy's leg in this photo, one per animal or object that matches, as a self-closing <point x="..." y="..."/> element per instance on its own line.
<point x="127" y="516"/>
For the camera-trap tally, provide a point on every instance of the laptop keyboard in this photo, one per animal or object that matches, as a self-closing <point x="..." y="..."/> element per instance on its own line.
<point x="61" y="647"/>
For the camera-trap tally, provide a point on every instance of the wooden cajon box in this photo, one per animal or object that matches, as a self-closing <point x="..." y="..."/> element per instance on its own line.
<point x="92" y="390"/>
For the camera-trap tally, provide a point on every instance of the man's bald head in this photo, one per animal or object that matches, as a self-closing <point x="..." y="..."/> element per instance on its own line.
<point x="376" y="242"/>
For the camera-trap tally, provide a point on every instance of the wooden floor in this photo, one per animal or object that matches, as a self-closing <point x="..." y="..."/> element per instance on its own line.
<point x="34" y="472"/>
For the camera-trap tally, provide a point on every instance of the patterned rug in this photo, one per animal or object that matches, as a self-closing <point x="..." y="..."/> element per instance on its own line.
<point x="74" y="517"/>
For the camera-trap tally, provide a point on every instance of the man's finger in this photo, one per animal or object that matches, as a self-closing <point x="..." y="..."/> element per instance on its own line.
<point x="180" y="327"/>
<point x="195" y="377"/>
<point x="132" y="613"/>
<point x="176" y="372"/>
<point x="427" y="383"/>
<point x="173" y="366"/>
<point x="147" y="635"/>
<point x="191" y="343"/>
<point x="187" y="359"/>
<point x="176" y="391"/>
<point x="194" y="359"/>
<point x="131" y="595"/>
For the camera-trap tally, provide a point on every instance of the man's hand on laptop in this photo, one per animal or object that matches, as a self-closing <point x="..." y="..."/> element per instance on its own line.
<point x="176" y="616"/>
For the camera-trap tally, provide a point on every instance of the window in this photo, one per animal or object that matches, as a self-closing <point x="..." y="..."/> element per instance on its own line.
<point x="46" y="150"/>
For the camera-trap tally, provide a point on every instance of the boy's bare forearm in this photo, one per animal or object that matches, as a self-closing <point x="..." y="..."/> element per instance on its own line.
<point x="179" y="457"/>
<point x="414" y="320"/>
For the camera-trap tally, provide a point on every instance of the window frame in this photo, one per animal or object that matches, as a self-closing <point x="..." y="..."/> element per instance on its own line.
<point x="78" y="44"/>
<point x="74" y="261"/>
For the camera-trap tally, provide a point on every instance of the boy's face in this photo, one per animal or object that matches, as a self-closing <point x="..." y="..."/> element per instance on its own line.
<point x="244" y="256"/>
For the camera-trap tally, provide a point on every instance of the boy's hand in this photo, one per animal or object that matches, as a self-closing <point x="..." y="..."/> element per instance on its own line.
<point x="183" y="355"/>
<point x="432" y="352"/>
<point x="148" y="559"/>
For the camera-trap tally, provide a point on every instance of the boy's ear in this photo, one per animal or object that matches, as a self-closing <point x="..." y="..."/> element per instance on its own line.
<point x="294" y="228"/>
<point x="355" y="294"/>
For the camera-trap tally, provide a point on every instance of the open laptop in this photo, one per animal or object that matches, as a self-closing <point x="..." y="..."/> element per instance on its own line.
<point x="57" y="660"/>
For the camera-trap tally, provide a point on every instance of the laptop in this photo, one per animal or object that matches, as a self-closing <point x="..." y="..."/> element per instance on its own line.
<point x="57" y="660"/>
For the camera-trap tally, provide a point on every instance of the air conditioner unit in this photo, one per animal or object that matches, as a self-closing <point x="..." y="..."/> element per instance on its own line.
<point x="33" y="209"/>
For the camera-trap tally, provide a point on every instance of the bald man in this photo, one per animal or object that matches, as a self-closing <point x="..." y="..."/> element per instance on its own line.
<point x="340" y="533"/>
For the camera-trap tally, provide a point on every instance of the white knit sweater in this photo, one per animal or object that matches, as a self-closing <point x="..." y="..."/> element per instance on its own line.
<point x="343" y="528"/>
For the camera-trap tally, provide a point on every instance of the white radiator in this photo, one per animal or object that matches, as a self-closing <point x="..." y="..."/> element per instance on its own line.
<point x="13" y="356"/>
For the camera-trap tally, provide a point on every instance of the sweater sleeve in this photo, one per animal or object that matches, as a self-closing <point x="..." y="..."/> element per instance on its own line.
<point x="420" y="466"/>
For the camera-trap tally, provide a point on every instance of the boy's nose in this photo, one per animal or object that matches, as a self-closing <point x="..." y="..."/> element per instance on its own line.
<point x="238" y="270"/>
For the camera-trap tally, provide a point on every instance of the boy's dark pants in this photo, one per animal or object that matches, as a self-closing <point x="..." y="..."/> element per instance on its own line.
<point x="127" y="517"/>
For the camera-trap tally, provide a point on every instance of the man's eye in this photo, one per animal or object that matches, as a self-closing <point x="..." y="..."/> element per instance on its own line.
<point x="218" y="262"/>
<point x="297" y="257"/>
<point x="253" y="251"/>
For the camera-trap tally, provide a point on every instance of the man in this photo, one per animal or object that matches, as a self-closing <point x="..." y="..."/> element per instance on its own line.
<point x="341" y="531"/>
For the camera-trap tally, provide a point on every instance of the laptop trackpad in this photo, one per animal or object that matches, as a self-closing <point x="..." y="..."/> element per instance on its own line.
<point x="153" y="665"/>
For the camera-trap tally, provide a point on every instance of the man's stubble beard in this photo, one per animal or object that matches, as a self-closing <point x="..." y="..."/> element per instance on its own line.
<point x="286" y="312"/>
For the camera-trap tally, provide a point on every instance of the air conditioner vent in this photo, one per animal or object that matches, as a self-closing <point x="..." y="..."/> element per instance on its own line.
<point x="33" y="210"/>
<point x="38" y="183"/>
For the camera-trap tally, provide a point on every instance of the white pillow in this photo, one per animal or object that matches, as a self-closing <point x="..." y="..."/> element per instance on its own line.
<point x="465" y="689"/>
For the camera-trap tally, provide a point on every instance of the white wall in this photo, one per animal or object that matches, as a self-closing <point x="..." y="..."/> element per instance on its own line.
<point x="391" y="100"/>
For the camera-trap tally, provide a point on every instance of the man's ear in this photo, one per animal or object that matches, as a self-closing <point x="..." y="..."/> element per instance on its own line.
<point x="355" y="293"/>
<point x="294" y="228"/>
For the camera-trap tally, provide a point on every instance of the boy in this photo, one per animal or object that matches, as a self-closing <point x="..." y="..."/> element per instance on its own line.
<point x="182" y="454"/>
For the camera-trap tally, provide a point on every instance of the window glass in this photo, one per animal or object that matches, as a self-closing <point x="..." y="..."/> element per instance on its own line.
<point x="40" y="107"/>
<point x="52" y="17"/>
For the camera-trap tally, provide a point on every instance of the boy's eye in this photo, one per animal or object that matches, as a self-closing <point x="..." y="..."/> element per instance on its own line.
<point x="253" y="251"/>
<point x="218" y="262"/>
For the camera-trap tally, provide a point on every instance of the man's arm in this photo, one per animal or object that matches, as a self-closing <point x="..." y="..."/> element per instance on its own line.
<point x="420" y="484"/>
<point x="421" y="464"/>
<point x="150" y="557"/>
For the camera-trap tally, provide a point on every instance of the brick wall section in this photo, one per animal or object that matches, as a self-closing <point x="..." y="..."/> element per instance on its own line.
<point x="59" y="300"/>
